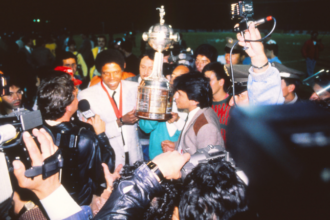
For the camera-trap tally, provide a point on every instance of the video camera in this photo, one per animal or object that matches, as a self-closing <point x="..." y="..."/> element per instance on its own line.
<point x="13" y="146"/>
<point x="211" y="153"/>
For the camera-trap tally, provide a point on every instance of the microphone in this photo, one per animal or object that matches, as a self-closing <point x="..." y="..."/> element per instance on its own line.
<point x="85" y="109"/>
<point x="263" y="20"/>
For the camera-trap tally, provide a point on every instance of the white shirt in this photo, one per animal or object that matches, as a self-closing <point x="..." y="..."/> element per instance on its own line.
<point x="178" y="125"/>
<point x="59" y="204"/>
<point x="116" y="97"/>
<point x="190" y="117"/>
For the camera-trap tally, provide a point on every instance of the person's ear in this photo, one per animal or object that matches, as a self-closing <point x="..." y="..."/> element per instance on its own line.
<point x="193" y="103"/>
<point x="291" y="87"/>
<point x="221" y="82"/>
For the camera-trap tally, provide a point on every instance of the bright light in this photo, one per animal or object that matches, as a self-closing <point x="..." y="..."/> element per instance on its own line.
<point x="38" y="20"/>
<point x="34" y="20"/>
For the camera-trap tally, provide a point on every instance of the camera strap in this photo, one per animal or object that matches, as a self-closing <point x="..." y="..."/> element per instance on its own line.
<point x="50" y="166"/>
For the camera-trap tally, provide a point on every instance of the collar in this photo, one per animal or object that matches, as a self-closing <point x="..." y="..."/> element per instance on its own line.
<point x="52" y="123"/>
<point x="192" y="114"/>
<point x="293" y="100"/>
<point x="111" y="91"/>
<point x="139" y="79"/>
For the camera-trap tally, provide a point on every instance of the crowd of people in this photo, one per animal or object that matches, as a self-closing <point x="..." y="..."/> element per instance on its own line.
<point x="118" y="166"/>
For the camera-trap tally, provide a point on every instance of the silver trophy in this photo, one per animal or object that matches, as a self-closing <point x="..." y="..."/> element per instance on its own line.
<point x="155" y="95"/>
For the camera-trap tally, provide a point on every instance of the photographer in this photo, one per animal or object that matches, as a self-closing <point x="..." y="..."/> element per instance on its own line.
<point x="82" y="172"/>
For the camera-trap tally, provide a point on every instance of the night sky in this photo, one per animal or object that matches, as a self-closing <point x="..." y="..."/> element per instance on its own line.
<point x="124" y="15"/>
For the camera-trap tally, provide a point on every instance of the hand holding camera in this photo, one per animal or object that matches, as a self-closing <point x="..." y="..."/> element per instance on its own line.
<point x="41" y="187"/>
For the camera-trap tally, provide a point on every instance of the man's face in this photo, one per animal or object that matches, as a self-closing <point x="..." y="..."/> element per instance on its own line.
<point x="146" y="66"/>
<point x="215" y="84"/>
<point x="71" y="62"/>
<point x="101" y="42"/>
<point x="241" y="99"/>
<point x="324" y="96"/>
<point x="111" y="75"/>
<point x="178" y="71"/>
<point x="14" y="99"/>
<point x="236" y="58"/>
<point x="201" y="61"/>
<point x="181" y="99"/>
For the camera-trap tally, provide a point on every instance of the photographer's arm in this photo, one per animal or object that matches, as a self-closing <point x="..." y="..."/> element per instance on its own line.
<point x="55" y="199"/>
<point x="133" y="195"/>
<point x="264" y="83"/>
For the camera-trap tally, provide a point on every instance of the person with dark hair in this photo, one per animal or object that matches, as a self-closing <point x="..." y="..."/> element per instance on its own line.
<point x="80" y="69"/>
<point x="146" y="66"/>
<point x="220" y="83"/>
<point x="132" y="62"/>
<point x="205" y="54"/>
<point x="14" y="100"/>
<point x="271" y="50"/>
<point x="114" y="100"/>
<point x="82" y="173"/>
<point x="311" y="52"/>
<point x="238" y="54"/>
<point x="41" y="56"/>
<point x="193" y="93"/>
<point x="212" y="191"/>
<point x="101" y="42"/>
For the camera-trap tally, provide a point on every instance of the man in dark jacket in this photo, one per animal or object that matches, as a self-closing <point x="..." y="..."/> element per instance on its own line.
<point x="83" y="150"/>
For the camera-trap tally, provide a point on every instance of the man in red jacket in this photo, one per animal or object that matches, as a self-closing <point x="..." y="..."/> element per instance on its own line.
<point x="311" y="52"/>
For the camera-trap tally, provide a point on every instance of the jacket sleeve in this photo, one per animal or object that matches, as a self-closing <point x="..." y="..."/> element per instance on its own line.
<point x="147" y="125"/>
<point x="132" y="196"/>
<point x="107" y="152"/>
<point x="265" y="88"/>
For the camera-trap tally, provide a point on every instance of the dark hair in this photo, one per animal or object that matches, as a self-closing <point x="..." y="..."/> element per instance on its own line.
<point x="160" y="207"/>
<point x="127" y="46"/>
<point x="220" y="72"/>
<point x="64" y="55"/>
<point x="26" y="39"/>
<point x="55" y="93"/>
<point x="289" y="81"/>
<point x="273" y="47"/>
<point x="196" y="86"/>
<point x="102" y="36"/>
<point x="212" y="189"/>
<point x="207" y="50"/>
<point x="150" y="53"/>
<point x="109" y="56"/>
<point x="71" y="42"/>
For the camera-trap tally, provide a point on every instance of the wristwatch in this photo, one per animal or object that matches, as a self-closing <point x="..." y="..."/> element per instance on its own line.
<point x="121" y="121"/>
<point x="27" y="207"/>
<point x="154" y="168"/>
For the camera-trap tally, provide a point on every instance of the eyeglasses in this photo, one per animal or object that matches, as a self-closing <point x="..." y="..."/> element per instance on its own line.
<point x="15" y="94"/>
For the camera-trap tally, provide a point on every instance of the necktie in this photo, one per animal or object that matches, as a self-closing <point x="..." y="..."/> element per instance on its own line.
<point x="113" y="97"/>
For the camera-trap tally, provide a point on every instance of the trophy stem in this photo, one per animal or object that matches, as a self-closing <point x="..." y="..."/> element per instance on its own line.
<point x="157" y="70"/>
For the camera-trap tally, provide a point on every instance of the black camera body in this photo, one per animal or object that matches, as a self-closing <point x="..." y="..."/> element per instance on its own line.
<point x="242" y="12"/>
<point x="11" y="130"/>
<point x="13" y="146"/>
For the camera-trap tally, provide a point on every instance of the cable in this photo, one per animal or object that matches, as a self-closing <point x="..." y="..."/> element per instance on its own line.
<point x="231" y="51"/>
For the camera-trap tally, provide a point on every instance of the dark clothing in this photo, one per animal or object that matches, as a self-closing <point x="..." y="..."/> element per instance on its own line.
<point x="83" y="152"/>
<point x="42" y="58"/>
<point x="132" y="64"/>
<point x="86" y="51"/>
<point x="312" y="51"/>
<point x="132" y="204"/>
<point x="222" y="110"/>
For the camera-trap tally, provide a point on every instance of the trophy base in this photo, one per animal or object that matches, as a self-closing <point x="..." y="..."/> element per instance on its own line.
<point x="154" y="116"/>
